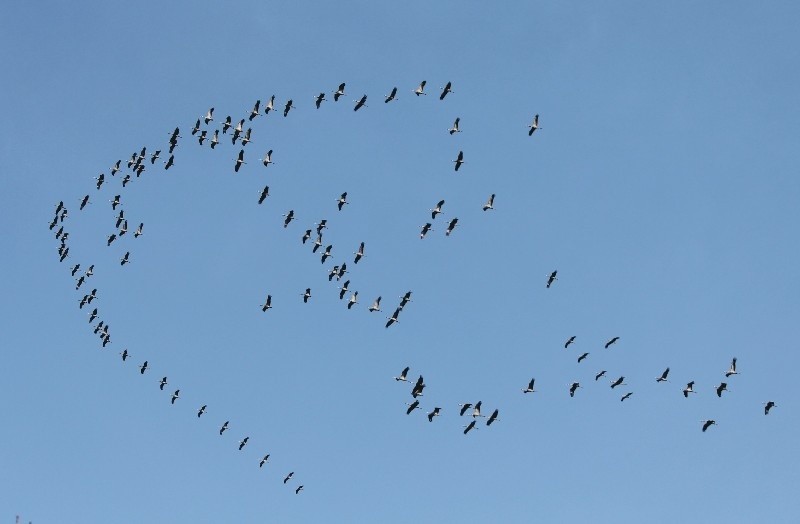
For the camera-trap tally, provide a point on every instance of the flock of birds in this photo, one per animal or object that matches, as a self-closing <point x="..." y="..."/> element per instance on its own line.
<point x="142" y="159"/>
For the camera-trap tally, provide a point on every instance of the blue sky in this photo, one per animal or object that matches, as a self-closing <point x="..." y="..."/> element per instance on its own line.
<point x="662" y="187"/>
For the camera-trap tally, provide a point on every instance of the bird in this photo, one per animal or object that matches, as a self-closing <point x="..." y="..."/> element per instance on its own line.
<point x="162" y="383"/>
<point x="419" y="385"/>
<point x="75" y="269"/>
<point x="267" y="160"/>
<point x="196" y="128"/>
<point x="376" y="305"/>
<point x="663" y="377"/>
<point x="154" y="157"/>
<point x="170" y="161"/>
<point x="125" y="355"/>
<point x="707" y="424"/>
<point x="243" y="443"/>
<point x="114" y="171"/>
<point x="530" y="388"/>
<point x="327" y="253"/>
<point x="437" y="209"/>
<point x="255" y="111"/>
<point x="582" y="357"/>
<point x="689" y="389"/>
<point x="114" y="203"/>
<point x="393" y="318"/>
<point x="411" y="407"/>
<point x="534" y="125"/>
<point x="246" y="138"/>
<point x="489" y="203"/>
<point x="464" y="407"/>
<point x="100" y="179"/>
<point x="203" y="137"/>
<point x="80" y="282"/>
<point x="769" y="405"/>
<point x="175" y="396"/>
<point x="341" y="201"/>
<point x="343" y="289"/>
<point x="453" y="130"/>
<point x="453" y="223"/>
<point x="459" y="160"/>
<point x="573" y="388"/>
<point x="359" y="254"/>
<point x="319" y="99"/>
<point x="321" y="225"/>
<point x="569" y="341"/>
<point x="239" y="161"/>
<point x="226" y="124"/>
<point x="92" y="315"/>
<point x="493" y="417"/>
<point x="215" y="139"/>
<point x="626" y="395"/>
<point x="434" y="413"/>
<point x="476" y="409"/>
<point x="469" y="426"/>
<point x="425" y="229"/>
<point x="403" y="374"/>
<point x="288" y="217"/>
<point x="287" y="107"/>
<point x="612" y="341"/>
<point x="139" y="230"/>
<point x="209" y="116"/>
<point x="201" y="410"/>
<point x="224" y="427"/>
<point x="552" y="278"/>
<point x="270" y="105"/>
<point x="339" y="92"/>
<point x="267" y="305"/>
<point x="362" y="102"/>
<point x="353" y="300"/>
<point x="298" y="489"/>
<point x="420" y="90"/>
<point x="405" y="299"/>
<point x="124" y="260"/>
<point x="264" y="194"/>
<point x="618" y="382"/>
<point x="446" y="89"/>
<point x="143" y="368"/>
<point x="723" y="386"/>
<point x="391" y="96"/>
<point x="263" y="460"/>
<point x="732" y="370"/>
<point x="285" y="480"/>
<point x="333" y="272"/>
<point x="306" y="295"/>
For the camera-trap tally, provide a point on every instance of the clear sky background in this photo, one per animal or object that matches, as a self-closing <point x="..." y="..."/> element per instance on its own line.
<point x="663" y="187"/>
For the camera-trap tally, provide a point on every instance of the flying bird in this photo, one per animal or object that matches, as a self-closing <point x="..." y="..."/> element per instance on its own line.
<point x="243" y="443"/>
<point x="403" y="374"/>
<point x="139" y="230"/>
<point x="239" y="161"/>
<point x="663" y="377"/>
<point x="267" y="305"/>
<point x="552" y="278"/>
<point x="530" y="388"/>
<point x="723" y="386"/>
<point x="391" y="96"/>
<point x="411" y="407"/>
<point x="393" y="318"/>
<point x="175" y="396"/>
<point x="143" y="368"/>
<point x="288" y="217"/>
<point x="255" y="111"/>
<point x="209" y="116"/>
<point x="626" y="395"/>
<point x="362" y="102"/>
<point x="459" y="160"/>
<point x="434" y="413"/>
<point x="327" y="253"/>
<point x="405" y="299"/>
<point x="263" y="460"/>
<point x="618" y="382"/>
<point x="215" y="139"/>
<point x="469" y="426"/>
<point x="287" y="107"/>
<point x="155" y="157"/>
<point x="416" y="391"/>
<point x="534" y="125"/>
<point x="339" y="92"/>
<point x="453" y="130"/>
<point x="298" y="489"/>
<point x="582" y="357"/>
<point x="319" y="99"/>
<point x="569" y="341"/>
<point x="446" y="89"/>
<point x="270" y="105"/>
<point x="707" y="424"/>
<point x="489" y="203"/>
<point x="343" y="289"/>
<point x="425" y="229"/>
<point x="288" y="477"/>
<point x="493" y="417"/>
<point x="341" y="201"/>
<point x="224" y="427"/>
<point x="264" y="194"/>
<point x="306" y="295"/>
<point x="437" y="209"/>
<point x="124" y="260"/>
<point x="769" y="405"/>
<point x="162" y="383"/>
<point x="573" y="388"/>
<point x="420" y="90"/>
<point x="452" y="225"/>
<point x="359" y="254"/>
<point x="476" y="409"/>
<point x="353" y="300"/>
<point x="201" y="411"/>
<point x="612" y="341"/>
<point x="732" y="370"/>
<point x="376" y="306"/>
<point x="689" y="389"/>
<point x="464" y="408"/>
<point x="125" y="355"/>
<point x="267" y="160"/>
